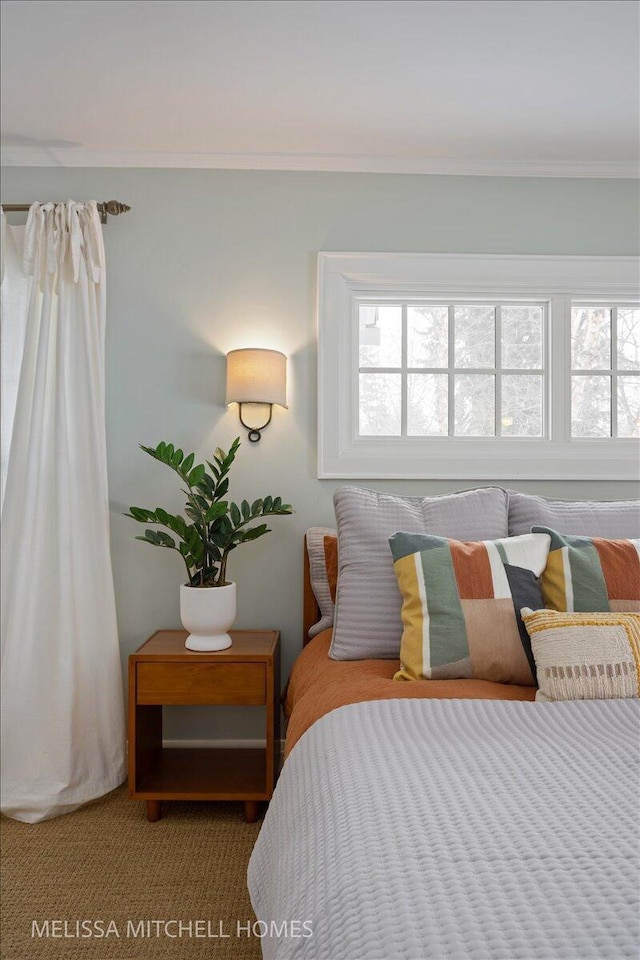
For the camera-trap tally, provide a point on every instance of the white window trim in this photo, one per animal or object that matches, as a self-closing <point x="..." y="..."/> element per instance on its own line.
<point x="342" y="277"/>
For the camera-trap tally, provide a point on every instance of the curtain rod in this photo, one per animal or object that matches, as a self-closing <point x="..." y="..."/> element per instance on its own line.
<point x="112" y="208"/>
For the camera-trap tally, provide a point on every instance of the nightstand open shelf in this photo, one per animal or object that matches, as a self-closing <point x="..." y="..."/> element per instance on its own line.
<point x="162" y="673"/>
<point x="205" y="774"/>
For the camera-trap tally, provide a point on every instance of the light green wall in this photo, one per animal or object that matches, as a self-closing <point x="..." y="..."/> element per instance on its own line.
<point x="211" y="260"/>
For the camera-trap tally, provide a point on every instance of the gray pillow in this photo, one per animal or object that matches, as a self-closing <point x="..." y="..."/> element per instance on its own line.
<point x="367" y="620"/>
<point x="611" y="519"/>
<point x="319" y="576"/>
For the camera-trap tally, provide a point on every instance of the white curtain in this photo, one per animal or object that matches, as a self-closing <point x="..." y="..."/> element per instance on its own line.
<point x="62" y="700"/>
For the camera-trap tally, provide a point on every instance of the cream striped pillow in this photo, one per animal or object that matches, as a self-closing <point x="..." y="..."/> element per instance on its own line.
<point x="585" y="656"/>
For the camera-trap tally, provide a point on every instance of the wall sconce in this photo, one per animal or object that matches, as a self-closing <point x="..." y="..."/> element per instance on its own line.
<point x="258" y="377"/>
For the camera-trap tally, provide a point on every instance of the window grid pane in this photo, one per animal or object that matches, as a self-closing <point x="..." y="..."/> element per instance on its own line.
<point x="380" y="336"/>
<point x="522" y="337"/>
<point x="521" y="411"/>
<point x="428" y="336"/>
<point x="380" y="404"/>
<point x="475" y="336"/>
<point x="435" y="370"/>
<point x="628" y="407"/>
<point x="628" y="338"/>
<point x="590" y="338"/>
<point x="475" y="405"/>
<point x="428" y="405"/>
<point x="590" y="406"/>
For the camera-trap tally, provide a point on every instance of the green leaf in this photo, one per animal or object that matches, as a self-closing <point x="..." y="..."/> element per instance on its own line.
<point x="213" y="468"/>
<point x="235" y="514"/>
<point x="187" y="463"/>
<point x="198" y="551"/>
<point x="215" y="510"/>
<point x="192" y="537"/>
<point x="221" y="489"/>
<point x="255" y="532"/>
<point x="276" y="503"/>
<point x="168" y="453"/>
<point x="176" y="459"/>
<point x="196" y="475"/>
<point x="225" y="528"/>
<point x="246" y="510"/>
<point x="161" y="450"/>
<point x="151" y="536"/>
<point x="214" y="550"/>
<point x="266" y="506"/>
<point x="147" y="540"/>
<point x="177" y="524"/>
<point x="256" y="508"/>
<point x="140" y="514"/>
<point x="161" y="515"/>
<point x="164" y="540"/>
<point x="207" y="486"/>
<point x="230" y="457"/>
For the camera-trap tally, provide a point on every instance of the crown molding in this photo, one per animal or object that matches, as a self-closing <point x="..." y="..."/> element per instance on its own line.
<point x="329" y="163"/>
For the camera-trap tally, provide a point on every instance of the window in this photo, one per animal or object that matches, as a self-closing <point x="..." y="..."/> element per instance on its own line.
<point x="605" y="370"/>
<point x="451" y="369"/>
<point x="478" y="367"/>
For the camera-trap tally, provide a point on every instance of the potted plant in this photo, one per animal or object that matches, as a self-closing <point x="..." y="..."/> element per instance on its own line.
<point x="212" y="528"/>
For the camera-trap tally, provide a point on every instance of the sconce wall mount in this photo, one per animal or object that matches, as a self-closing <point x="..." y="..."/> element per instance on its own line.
<point x="256" y="376"/>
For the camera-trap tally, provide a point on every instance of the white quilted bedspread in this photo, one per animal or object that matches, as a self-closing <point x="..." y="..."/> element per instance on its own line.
<point x="433" y="829"/>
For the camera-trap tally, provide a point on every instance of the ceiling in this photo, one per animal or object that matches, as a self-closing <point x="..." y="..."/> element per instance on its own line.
<point x="506" y="87"/>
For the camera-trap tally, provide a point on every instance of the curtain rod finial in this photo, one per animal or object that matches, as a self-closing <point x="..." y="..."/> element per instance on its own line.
<point x="113" y="208"/>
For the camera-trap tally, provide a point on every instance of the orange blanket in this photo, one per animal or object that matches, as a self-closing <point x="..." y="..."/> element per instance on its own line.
<point x="318" y="685"/>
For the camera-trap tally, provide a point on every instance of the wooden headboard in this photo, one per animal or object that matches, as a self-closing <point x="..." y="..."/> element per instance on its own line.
<point x="310" y="608"/>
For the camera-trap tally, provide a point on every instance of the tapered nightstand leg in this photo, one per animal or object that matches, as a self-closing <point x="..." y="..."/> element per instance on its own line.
<point x="251" y="810"/>
<point x="154" y="810"/>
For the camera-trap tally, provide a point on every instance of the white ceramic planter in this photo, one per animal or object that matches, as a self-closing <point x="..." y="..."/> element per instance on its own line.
<point x="208" y="613"/>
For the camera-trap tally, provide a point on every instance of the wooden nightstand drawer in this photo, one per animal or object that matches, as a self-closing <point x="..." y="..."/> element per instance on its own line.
<point x="201" y="683"/>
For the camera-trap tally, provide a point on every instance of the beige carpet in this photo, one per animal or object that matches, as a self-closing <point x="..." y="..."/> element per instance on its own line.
<point x="105" y="862"/>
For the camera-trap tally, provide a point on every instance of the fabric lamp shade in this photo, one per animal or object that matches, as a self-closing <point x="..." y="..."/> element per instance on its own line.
<point x="257" y="376"/>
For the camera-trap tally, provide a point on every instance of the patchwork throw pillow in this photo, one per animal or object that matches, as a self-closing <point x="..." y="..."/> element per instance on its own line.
<point x="461" y="604"/>
<point x="367" y="620"/>
<point x="585" y="656"/>
<point x="322" y="549"/>
<point x="589" y="573"/>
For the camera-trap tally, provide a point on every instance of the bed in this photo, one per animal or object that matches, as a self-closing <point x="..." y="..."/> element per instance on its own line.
<point x="446" y="819"/>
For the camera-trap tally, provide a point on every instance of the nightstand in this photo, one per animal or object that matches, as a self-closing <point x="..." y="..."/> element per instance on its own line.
<point x="162" y="672"/>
